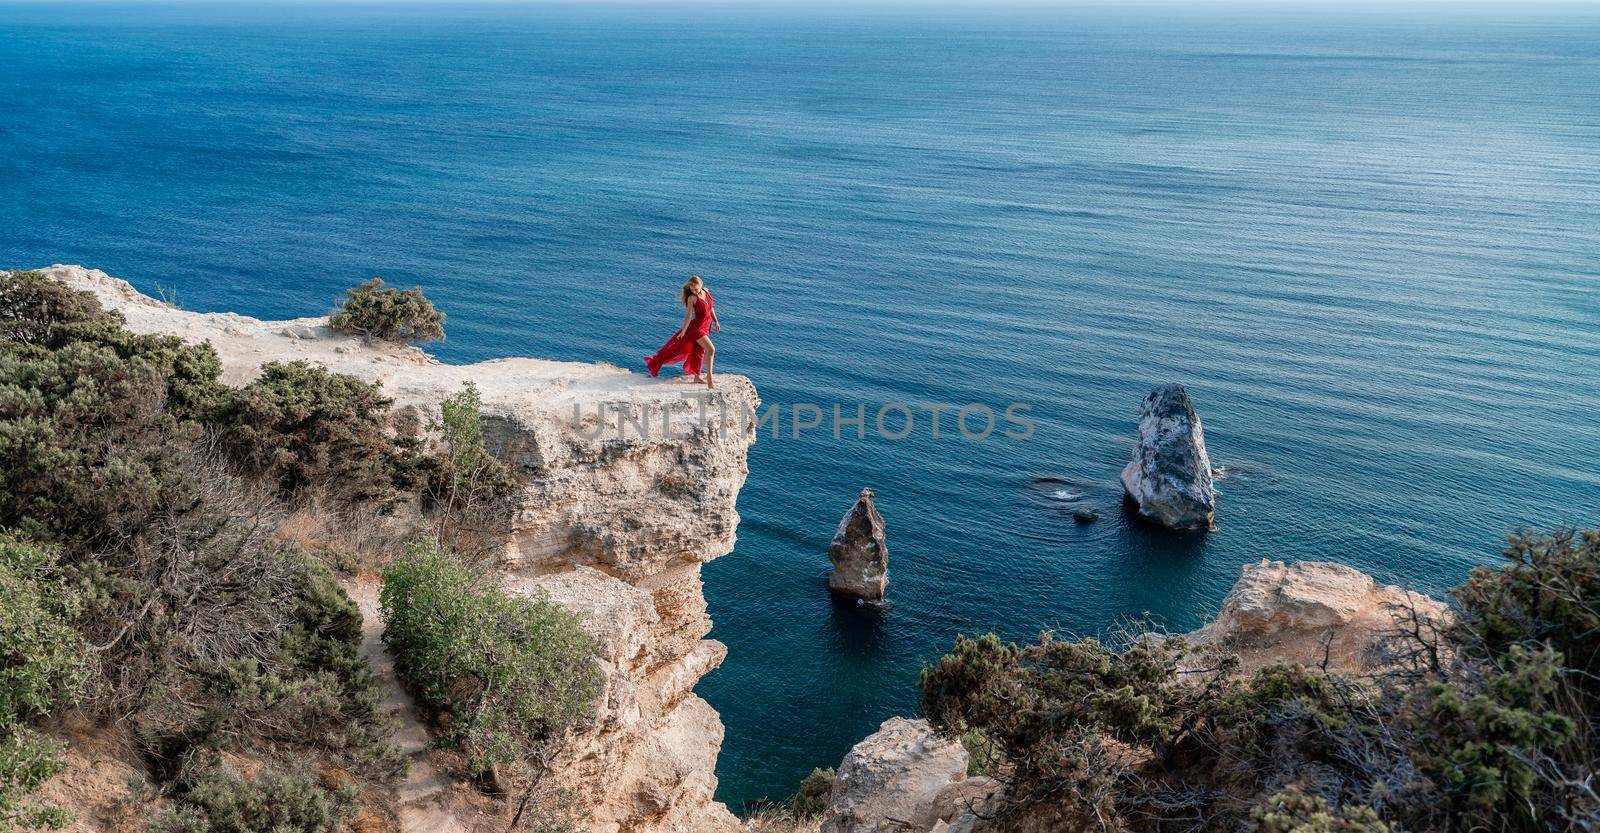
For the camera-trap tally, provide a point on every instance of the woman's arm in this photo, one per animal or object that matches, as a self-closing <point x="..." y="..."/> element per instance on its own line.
<point x="714" y="321"/>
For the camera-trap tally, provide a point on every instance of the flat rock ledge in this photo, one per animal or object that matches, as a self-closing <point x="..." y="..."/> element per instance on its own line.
<point x="1169" y="478"/>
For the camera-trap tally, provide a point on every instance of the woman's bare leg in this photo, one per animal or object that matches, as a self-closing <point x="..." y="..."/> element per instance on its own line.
<point x="711" y="358"/>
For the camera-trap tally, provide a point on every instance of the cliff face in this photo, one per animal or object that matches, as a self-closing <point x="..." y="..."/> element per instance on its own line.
<point x="630" y="485"/>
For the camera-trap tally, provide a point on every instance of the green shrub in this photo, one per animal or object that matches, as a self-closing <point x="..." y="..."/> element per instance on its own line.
<point x="304" y="428"/>
<point x="41" y="669"/>
<point x="38" y="310"/>
<point x="316" y="689"/>
<point x="379" y="311"/>
<point x="41" y="656"/>
<point x="508" y="675"/>
<point x="1293" y="811"/>
<point x="1055" y="710"/>
<point x="90" y="441"/>
<point x="39" y="314"/>
<point x="326" y="634"/>
<point x="469" y="491"/>
<point x="273" y="802"/>
<point x="812" y="798"/>
<point x="92" y="415"/>
<point x="1483" y="737"/>
<point x="467" y="473"/>
<point x="1515" y="725"/>
<point x="1546" y="595"/>
<point x="982" y="753"/>
<point x="1133" y="694"/>
<point x="93" y="418"/>
<point x="27" y="760"/>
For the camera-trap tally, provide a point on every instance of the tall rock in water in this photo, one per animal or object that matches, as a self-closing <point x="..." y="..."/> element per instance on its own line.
<point x="859" y="552"/>
<point x="1170" y="476"/>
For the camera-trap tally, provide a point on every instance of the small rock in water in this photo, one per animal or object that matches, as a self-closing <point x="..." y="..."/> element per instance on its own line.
<point x="1170" y="477"/>
<point x="1086" y="516"/>
<point x="860" y="552"/>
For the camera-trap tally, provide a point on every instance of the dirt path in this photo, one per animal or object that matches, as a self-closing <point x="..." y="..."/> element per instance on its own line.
<point x="425" y="792"/>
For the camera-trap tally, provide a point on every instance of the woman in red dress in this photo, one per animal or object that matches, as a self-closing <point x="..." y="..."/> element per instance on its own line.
<point x="692" y="341"/>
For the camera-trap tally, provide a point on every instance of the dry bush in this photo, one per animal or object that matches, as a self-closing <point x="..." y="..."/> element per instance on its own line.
<point x="209" y="631"/>
<point x="358" y="539"/>
<point x="191" y="592"/>
<point x="777" y="820"/>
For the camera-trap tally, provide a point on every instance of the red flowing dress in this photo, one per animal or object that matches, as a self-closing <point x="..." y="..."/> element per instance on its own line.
<point x="685" y="346"/>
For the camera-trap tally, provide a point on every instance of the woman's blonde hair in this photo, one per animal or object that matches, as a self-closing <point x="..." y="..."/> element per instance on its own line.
<point x="689" y="287"/>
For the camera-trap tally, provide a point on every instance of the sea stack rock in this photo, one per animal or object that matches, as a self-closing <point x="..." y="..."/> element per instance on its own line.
<point x="1170" y="476"/>
<point x="859" y="553"/>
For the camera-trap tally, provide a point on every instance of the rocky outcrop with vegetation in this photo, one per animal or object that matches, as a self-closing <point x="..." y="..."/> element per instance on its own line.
<point x="226" y="491"/>
<point x="1316" y="702"/>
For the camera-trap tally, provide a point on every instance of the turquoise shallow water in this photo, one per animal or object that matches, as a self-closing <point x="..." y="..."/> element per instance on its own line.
<point x="1369" y="245"/>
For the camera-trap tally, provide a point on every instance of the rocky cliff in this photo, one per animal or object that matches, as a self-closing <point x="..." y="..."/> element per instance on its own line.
<point x="629" y="487"/>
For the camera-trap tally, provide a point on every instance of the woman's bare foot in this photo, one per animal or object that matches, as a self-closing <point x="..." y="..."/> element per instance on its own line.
<point x="698" y="380"/>
<point x="711" y="383"/>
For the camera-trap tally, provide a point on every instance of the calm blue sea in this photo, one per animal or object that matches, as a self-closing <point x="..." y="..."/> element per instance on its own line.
<point x="1369" y="243"/>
